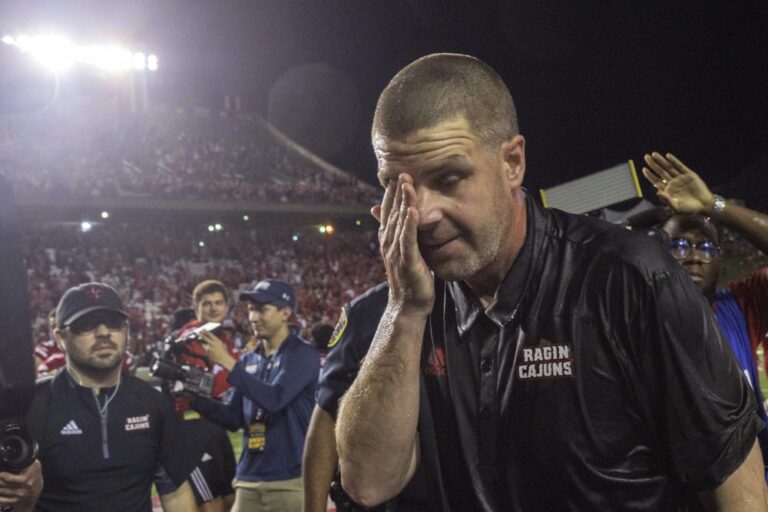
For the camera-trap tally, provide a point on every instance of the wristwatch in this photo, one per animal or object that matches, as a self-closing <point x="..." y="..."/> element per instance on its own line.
<point x="718" y="207"/>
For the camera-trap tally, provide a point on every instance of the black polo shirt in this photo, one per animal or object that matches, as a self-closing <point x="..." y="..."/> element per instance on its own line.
<point x="597" y="380"/>
<point x="98" y="457"/>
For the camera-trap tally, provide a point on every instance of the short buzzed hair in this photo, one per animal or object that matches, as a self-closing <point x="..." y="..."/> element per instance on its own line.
<point x="208" y="287"/>
<point x="442" y="86"/>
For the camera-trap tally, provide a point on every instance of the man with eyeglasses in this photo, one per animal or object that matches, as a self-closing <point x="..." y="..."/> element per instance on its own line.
<point x="741" y="308"/>
<point x="102" y="433"/>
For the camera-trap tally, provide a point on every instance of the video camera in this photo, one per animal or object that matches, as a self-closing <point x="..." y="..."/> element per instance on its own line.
<point x="180" y="376"/>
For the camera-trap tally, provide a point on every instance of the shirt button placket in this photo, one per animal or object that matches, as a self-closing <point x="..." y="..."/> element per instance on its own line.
<point x="487" y="401"/>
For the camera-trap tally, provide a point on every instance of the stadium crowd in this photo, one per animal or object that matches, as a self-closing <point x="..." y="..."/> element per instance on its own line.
<point x="194" y="155"/>
<point x="155" y="269"/>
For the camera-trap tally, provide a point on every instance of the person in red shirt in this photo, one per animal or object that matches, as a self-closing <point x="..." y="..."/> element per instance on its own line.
<point x="215" y="467"/>
<point x="45" y="348"/>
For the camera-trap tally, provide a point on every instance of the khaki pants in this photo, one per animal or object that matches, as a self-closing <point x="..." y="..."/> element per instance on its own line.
<point x="281" y="496"/>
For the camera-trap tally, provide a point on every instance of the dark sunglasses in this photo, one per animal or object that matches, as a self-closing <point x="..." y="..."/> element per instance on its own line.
<point x="91" y="321"/>
<point x="681" y="248"/>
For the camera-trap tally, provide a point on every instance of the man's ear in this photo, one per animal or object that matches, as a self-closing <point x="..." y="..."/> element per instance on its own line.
<point x="513" y="159"/>
<point x="59" y="339"/>
<point x="287" y="312"/>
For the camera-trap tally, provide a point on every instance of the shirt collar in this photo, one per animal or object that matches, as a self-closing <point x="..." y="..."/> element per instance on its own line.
<point x="287" y="341"/>
<point x="504" y="306"/>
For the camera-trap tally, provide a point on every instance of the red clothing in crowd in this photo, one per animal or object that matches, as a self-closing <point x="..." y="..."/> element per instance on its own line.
<point x="46" y="348"/>
<point x="752" y="295"/>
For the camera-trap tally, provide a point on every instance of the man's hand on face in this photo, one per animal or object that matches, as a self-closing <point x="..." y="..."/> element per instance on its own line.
<point x="23" y="488"/>
<point x="217" y="350"/>
<point x="411" y="282"/>
<point x="678" y="185"/>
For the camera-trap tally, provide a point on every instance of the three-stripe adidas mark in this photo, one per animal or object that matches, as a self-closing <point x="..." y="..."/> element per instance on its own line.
<point x="70" y="429"/>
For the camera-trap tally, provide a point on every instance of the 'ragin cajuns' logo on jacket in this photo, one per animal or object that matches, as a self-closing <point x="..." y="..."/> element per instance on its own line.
<point x="545" y="361"/>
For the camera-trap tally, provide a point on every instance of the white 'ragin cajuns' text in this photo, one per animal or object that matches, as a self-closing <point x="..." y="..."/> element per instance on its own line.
<point x="544" y="362"/>
<point x="137" y="423"/>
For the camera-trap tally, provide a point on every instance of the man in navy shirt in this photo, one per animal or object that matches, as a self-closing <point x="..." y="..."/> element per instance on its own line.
<point x="274" y="392"/>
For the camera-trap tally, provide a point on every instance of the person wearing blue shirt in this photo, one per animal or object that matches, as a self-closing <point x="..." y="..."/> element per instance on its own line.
<point x="274" y="393"/>
<point x="741" y="307"/>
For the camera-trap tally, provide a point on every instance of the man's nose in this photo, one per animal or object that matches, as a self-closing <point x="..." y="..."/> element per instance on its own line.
<point x="102" y="330"/>
<point x="428" y="205"/>
<point x="694" y="257"/>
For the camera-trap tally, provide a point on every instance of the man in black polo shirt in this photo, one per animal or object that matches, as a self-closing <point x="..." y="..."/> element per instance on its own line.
<point x="568" y="364"/>
<point x="103" y="433"/>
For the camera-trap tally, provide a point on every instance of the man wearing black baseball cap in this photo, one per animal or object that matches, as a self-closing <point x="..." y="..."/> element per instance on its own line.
<point x="93" y="359"/>
<point x="102" y="433"/>
<point x="273" y="399"/>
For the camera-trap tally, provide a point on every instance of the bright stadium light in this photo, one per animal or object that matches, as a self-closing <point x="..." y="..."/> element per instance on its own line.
<point x="58" y="53"/>
<point x="105" y="215"/>
<point x="86" y="226"/>
<point x="321" y="229"/>
<point x="218" y="227"/>
<point x="295" y="238"/>
<point x="201" y="243"/>
<point x="211" y="228"/>
<point x="246" y="218"/>
<point x="52" y="51"/>
<point x="329" y="229"/>
<point x="358" y="222"/>
<point x="139" y="61"/>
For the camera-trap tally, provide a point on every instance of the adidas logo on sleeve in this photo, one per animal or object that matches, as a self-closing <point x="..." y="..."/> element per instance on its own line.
<point x="71" y="429"/>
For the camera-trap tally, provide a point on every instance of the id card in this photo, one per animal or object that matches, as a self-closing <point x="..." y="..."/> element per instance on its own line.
<point x="257" y="436"/>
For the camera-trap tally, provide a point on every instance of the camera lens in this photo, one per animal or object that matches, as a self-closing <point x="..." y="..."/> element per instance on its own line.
<point x="17" y="449"/>
<point x="11" y="449"/>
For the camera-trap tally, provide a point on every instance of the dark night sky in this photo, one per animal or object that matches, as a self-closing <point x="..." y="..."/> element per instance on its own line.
<point x="595" y="82"/>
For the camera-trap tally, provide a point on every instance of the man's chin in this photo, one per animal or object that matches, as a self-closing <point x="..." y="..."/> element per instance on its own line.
<point x="106" y="364"/>
<point x="451" y="270"/>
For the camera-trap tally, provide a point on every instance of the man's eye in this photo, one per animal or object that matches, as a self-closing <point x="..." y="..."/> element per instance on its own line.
<point x="450" y="179"/>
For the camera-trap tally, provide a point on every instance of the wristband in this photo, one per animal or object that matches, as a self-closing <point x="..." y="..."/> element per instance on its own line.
<point x="718" y="207"/>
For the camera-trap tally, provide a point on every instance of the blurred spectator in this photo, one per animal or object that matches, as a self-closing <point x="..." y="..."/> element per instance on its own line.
<point x="321" y="336"/>
<point x="214" y="459"/>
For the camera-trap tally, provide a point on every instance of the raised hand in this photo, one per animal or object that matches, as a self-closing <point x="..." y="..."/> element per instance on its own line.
<point x="679" y="186"/>
<point x="216" y="350"/>
<point x="411" y="283"/>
